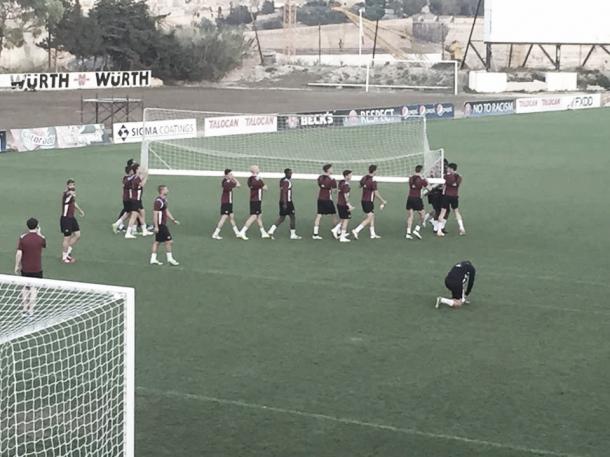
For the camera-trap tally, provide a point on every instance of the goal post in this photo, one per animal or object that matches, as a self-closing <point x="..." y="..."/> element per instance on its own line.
<point x="304" y="143"/>
<point x="67" y="359"/>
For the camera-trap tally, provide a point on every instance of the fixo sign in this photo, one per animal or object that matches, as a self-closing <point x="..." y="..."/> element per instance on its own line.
<point x="240" y="125"/>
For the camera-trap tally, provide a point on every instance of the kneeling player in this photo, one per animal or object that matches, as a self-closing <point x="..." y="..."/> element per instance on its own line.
<point x="226" y="204"/>
<point x="459" y="281"/>
<point x="286" y="206"/>
<point x="414" y="202"/>
<point x="343" y="205"/>
<point x="162" y="235"/>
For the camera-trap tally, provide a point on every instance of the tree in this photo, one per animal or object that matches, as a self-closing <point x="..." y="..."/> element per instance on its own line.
<point x="239" y="15"/>
<point x="268" y="7"/>
<point x="408" y="7"/>
<point x="79" y="35"/>
<point x="18" y="17"/>
<point x="453" y="7"/>
<point x="374" y="9"/>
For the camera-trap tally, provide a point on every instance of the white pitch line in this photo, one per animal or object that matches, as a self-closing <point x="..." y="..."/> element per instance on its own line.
<point x="347" y="421"/>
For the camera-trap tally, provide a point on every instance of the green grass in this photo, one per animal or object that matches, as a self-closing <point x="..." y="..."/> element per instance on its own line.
<point x="313" y="349"/>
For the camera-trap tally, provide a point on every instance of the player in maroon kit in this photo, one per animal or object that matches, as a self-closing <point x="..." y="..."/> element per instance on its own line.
<point x="415" y="202"/>
<point x="451" y="200"/>
<point x="127" y="178"/>
<point x="257" y="186"/>
<point x="135" y="198"/>
<point x="226" y="204"/>
<point x="369" y="194"/>
<point x="286" y="206"/>
<point x="28" y="262"/>
<point x="325" y="203"/>
<point x="68" y="223"/>
<point x="161" y="214"/>
<point x="344" y="207"/>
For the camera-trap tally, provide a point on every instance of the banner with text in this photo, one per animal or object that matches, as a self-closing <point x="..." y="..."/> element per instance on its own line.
<point x="431" y="111"/>
<point x="557" y="103"/>
<point x="240" y="125"/>
<point x="489" y="108"/>
<point x="75" y="80"/>
<point x="67" y="136"/>
<point x="134" y="132"/>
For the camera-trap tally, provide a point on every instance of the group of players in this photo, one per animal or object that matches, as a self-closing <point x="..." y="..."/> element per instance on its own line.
<point x="443" y="199"/>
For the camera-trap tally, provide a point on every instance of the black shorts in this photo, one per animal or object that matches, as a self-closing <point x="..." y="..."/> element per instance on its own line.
<point x="163" y="234"/>
<point x="38" y="274"/>
<point x="415" y="203"/>
<point x="255" y="208"/>
<point x="127" y="206"/>
<point x="344" y="212"/>
<point x="450" y="202"/>
<point x="287" y="210"/>
<point x="68" y="225"/>
<point x="368" y="207"/>
<point x="136" y="205"/>
<point x="226" y="208"/>
<point x="326" y="207"/>
<point x="456" y="288"/>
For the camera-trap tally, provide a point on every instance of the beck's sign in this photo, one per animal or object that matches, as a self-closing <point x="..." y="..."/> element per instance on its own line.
<point x="75" y="80"/>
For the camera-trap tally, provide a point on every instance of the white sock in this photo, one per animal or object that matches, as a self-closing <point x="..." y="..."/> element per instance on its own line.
<point x="343" y="232"/>
<point x="408" y="231"/>
<point x="121" y="225"/>
<point x="69" y="251"/>
<point x="316" y="229"/>
<point x="417" y="228"/>
<point x="443" y="224"/>
<point x="337" y="228"/>
<point x="426" y="217"/>
<point x="272" y="229"/>
<point x="153" y="257"/>
<point x="447" y="301"/>
<point x="119" y="221"/>
<point x="293" y="232"/>
<point x="243" y="230"/>
<point x="359" y="228"/>
<point x="143" y="227"/>
<point x="435" y="225"/>
<point x="461" y="224"/>
<point x="170" y="257"/>
<point x="64" y="255"/>
<point x="216" y="232"/>
<point x="372" y="230"/>
<point x="235" y="230"/>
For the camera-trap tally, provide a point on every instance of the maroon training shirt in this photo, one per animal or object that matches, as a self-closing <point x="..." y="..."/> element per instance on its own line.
<point x="31" y="245"/>
<point x="285" y="190"/>
<point x="160" y="205"/>
<point x="135" y="192"/>
<point x="227" y="191"/>
<point x="452" y="184"/>
<point x="256" y="188"/>
<point x="416" y="184"/>
<point x="326" y="184"/>
<point x="369" y="186"/>
<point x="343" y="196"/>
<point x="126" y="186"/>
<point x="68" y="199"/>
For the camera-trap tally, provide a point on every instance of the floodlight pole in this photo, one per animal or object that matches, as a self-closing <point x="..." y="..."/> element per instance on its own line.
<point x="360" y="34"/>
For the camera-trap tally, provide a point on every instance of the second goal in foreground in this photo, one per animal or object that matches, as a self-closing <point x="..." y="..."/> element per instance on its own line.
<point x="66" y="369"/>
<point x="197" y="143"/>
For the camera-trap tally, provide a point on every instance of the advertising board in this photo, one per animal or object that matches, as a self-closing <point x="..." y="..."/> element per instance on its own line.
<point x="550" y="103"/>
<point x="240" y="125"/>
<point x="75" y="80"/>
<point x="66" y="136"/>
<point x="134" y="132"/>
<point x="489" y="108"/>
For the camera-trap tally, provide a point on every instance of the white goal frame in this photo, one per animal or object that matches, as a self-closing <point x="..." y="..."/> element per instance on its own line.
<point x="145" y="149"/>
<point x="126" y="294"/>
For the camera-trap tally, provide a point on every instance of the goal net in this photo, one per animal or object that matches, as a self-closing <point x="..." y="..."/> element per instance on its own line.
<point x="304" y="143"/>
<point x="67" y="369"/>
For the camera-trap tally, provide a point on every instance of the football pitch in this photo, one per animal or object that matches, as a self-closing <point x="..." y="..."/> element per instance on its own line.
<point x="311" y="348"/>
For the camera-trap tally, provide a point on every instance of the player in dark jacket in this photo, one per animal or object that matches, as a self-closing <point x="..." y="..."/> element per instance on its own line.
<point x="459" y="281"/>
